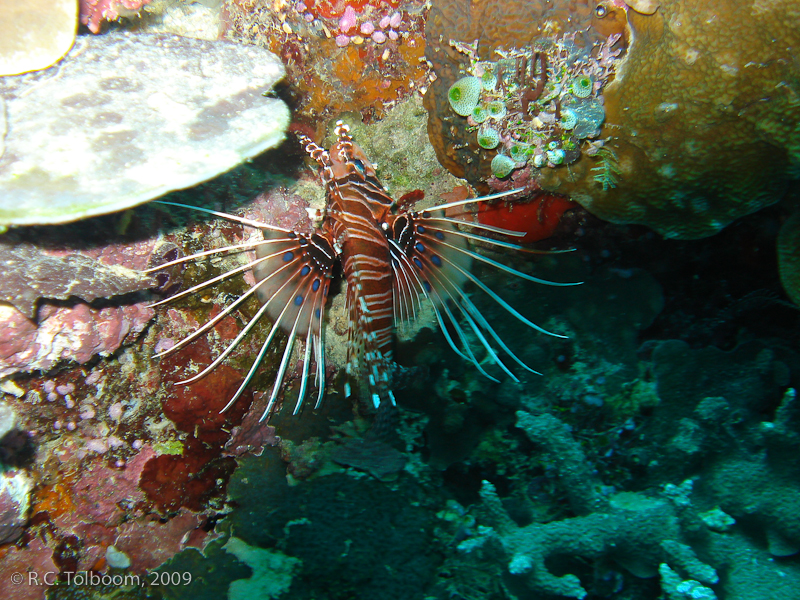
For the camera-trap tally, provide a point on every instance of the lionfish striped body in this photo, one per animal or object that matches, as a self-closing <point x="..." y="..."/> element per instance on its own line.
<point x="391" y="261"/>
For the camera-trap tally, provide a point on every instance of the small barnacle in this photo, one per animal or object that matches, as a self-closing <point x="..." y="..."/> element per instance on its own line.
<point x="496" y="110"/>
<point x="488" y="138"/>
<point x="582" y="86"/>
<point x="464" y="95"/>
<point x="502" y="166"/>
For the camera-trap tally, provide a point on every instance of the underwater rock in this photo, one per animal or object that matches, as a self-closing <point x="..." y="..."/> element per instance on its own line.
<point x="15" y="489"/>
<point x="702" y="119"/>
<point x="35" y="34"/>
<point x="126" y="118"/>
<point x="29" y="275"/>
<point x="38" y="338"/>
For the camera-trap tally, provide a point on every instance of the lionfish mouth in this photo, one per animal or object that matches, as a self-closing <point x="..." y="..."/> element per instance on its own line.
<point x="427" y="259"/>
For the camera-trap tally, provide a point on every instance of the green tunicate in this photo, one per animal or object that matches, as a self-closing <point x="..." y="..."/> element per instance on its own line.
<point x="502" y="166"/>
<point x="489" y="81"/>
<point x="488" y="138"/>
<point x="582" y="86"/>
<point x="464" y="95"/>
<point x="519" y="152"/>
<point x="590" y="113"/>
<point x="479" y="114"/>
<point x="496" y="109"/>
<point x="569" y="118"/>
<point x="556" y="156"/>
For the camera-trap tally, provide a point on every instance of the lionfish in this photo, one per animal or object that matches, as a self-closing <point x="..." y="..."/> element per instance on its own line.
<point x="391" y="260"/>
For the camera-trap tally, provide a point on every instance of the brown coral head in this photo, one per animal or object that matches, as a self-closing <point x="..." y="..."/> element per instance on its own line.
<point x="609" y="18"/>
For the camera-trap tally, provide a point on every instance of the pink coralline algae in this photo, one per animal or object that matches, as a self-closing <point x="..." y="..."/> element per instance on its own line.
<point x="65" y="333"/>
<point x="35" y="558"/>
<point x="253" y="435"/>
<point x="79" y="331"/>
<point x="14" y="490"/>
<point x="95" y="12"/>
<point x="105" y="507"/>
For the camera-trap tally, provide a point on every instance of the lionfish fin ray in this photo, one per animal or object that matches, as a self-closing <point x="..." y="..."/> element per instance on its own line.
<point x="227" y="216"/>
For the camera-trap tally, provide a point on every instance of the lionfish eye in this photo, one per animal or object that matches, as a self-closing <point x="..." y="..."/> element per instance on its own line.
<point x="600" y="11"/>
<point x="359" y="165"/>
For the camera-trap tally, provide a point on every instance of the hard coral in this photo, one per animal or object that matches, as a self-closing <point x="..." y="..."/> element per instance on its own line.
<point x="340" y="56"/>
<point x="701" y="115"/>
<point x="702" y="118"/>
<point x="35" y="34"/>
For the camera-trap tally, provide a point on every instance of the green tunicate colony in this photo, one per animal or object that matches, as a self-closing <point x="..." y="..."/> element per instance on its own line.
<point x="526" y="122"/>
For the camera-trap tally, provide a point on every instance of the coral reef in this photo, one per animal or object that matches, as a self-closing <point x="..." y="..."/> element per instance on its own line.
<point x="35" y="34"/>
<point x="340" y="56"/>
<point x="699" y="115"/>
<point x="119" y="141"/>
<point x="701" y="118"/>
<point x="39" y="331"/>
<point x="693" y="532"/>
<point x="638" y="466"/>
<point x="477" y="30"/>
<point x="94" y="13"/>
<point x="539" y="105"/>
<point x="31" y="275"/>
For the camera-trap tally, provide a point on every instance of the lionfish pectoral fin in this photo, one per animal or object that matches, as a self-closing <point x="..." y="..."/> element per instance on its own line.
<point x="433" y="252"/>
<point x="292" y="274"/>
<point x="293" y="279"/>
